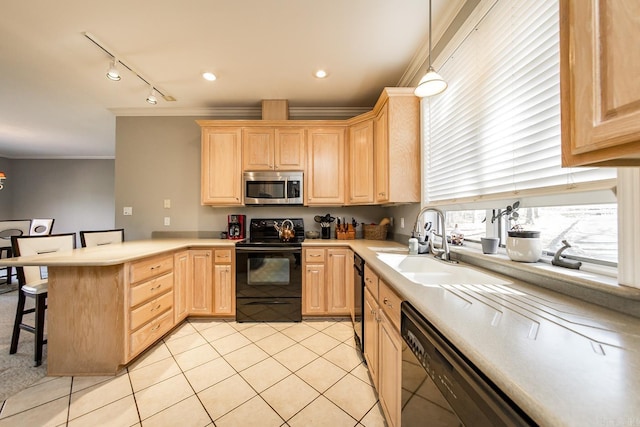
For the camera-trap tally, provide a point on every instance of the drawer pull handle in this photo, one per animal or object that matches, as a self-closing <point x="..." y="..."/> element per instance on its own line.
<point x="156" y="287"/>
<point x="156" y="307"/>
<point x="157" y="266"/>
<point x="155" y="328"/>
<point x="386" y="302"/>
<point x="314" y="255"/>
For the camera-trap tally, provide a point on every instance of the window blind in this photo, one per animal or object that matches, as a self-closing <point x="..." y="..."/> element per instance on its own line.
<point x="496" y="129"/>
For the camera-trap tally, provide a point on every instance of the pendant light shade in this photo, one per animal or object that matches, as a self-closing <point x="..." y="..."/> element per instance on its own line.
<point x="431" y="83"/>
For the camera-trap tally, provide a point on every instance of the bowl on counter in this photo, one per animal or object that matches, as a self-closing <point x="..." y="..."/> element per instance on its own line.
<point x="312" y="234"/>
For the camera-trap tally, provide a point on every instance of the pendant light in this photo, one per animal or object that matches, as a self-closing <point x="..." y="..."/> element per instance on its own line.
<point x="431" y="83"/>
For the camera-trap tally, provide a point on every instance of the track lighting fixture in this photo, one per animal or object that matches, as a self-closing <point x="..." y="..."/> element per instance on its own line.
<point x="431" y="83"/>
<point x="151" y="99"/>
<point x="113" y="73"/>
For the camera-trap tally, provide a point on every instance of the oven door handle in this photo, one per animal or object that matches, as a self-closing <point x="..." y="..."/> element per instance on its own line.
<point x="269" y="249"/>
<point x="268" y="302"/>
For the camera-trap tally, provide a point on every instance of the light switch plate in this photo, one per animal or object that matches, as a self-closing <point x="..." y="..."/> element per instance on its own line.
<point x="127" y="210"/>
<point x="167" y="220"/>
<point x="167" y="203"/>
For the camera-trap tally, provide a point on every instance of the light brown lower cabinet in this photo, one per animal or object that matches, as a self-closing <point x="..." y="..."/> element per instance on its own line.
<point x="224" y="283"/>
<point x="201" y="281"/>
<point x="383" y="344"/>
<point x="326" y="278"/>
<point x="181" y="286"/>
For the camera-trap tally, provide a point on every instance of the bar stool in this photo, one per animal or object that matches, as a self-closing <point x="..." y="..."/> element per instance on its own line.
<point x="32" y="284"/>
<point x="90" y="238"/>
<point x="8" y="228"/>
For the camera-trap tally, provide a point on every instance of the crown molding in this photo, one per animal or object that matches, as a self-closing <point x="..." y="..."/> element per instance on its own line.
<point x="243" y="112"/>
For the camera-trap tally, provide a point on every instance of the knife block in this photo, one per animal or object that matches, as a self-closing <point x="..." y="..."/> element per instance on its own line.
<point x="346" y="234"/>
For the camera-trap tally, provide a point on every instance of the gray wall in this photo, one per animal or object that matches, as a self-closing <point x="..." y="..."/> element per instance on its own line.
<point x="7" y="191"/>
<point x="79" y="194"/>
<point x="158" y="158"/>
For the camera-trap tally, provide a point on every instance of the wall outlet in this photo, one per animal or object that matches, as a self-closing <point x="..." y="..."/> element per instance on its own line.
<point x="127" y="210"/>
<point x="167" y="203"/>
<point x="401" y="222"/>
<point x="167" y="220"/>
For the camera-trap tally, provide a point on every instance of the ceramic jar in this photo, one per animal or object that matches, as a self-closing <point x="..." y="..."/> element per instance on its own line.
<point x="524" y="246"/>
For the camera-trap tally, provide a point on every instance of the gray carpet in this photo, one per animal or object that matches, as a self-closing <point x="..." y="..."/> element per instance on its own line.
<point x="16" y="370"/>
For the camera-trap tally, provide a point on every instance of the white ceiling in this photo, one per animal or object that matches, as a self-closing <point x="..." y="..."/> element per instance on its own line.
<point x="55" y="101"/>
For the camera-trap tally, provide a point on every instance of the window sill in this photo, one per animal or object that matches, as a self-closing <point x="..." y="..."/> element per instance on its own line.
<point x="595" y="284"/>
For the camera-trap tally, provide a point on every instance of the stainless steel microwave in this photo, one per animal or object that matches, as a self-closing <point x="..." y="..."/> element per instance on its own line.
<point x="273" y="188"/>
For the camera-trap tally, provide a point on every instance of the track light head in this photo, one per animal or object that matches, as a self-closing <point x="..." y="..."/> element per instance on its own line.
<point x="151" y="99"/>
<point x="113" y="73"/>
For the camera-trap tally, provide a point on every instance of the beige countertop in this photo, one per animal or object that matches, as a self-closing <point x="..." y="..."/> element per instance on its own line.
<point x="113" y="254"/>
<point x="562" y="360"/>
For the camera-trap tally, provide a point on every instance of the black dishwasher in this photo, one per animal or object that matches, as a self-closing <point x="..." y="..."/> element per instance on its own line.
<point x="440" y="385"/>
<point x="358" y="296"/>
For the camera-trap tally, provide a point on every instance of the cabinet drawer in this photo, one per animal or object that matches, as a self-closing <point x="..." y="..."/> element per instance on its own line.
<point x="390" y="303"/>
<point x="222" y="256"/>
<point x="149" y="333"/>
<point x="371" y="281"/>
<point x="314" y="255"/>
<point x="150" y="267"/>
<point x="148" y="311"/>
<point x="150" y="289"/>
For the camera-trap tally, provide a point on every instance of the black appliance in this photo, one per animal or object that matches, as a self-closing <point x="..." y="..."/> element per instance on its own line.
<point x="441" y="385"/>
<point x="236" y="226"/>
<point x="269" y="273"/>
<point x="358" y="301"/>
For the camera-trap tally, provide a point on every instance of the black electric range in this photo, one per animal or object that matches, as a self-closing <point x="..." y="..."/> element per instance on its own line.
<point x="269" y="273"/>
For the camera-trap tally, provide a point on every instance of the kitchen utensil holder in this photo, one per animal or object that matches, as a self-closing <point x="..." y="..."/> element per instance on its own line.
<point x="348" y="234"/>
<point x="375" y="232"/>
<point x="326" y="232"/>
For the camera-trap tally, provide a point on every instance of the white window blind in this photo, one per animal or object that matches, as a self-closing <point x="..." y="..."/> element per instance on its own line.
<point x="495" y="132"/>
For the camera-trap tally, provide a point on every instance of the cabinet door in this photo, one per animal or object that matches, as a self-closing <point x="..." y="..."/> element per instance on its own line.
<point x="181" y="285"/>
<point x="223" y="293"/>
<point x="361" y="183"/>
<point x="381" y="145"/>
<point x="202" y="271"/>
<point x="257" y="149"/>
<point x="600" y="84"/>
<point x="289" y="149"/>
<point x="337" y="296"/>
<point x="325" y="167"/>
<point x="314" y="287"/>
<point x="221" y="173"/>
<point x="389" y="370"/>
<point x="370" y="319"/>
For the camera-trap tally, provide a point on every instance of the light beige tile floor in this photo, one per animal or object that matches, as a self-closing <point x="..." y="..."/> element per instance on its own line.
<point x="218" y="373"/>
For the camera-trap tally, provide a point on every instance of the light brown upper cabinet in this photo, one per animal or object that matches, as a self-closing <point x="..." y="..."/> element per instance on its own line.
<point x="600" y="82"/>
<point x="361" y="164"/>
<point x="325" y="180"/>
<point x="397" y="147"/>
<point x="221" y="173"/>
<point x="265" y="148"/>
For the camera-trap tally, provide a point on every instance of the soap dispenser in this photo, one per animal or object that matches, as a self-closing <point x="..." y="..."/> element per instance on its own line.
<point x="413" y="245"/>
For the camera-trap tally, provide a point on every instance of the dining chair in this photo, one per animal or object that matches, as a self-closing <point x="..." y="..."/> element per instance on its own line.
<point x="8" y="228"/>
<point x="41" y="226"/>
<point x="33" y="283"/>
<point x="89" y="238"/>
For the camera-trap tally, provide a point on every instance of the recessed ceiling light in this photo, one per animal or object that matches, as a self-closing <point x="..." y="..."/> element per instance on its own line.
<point x="321" y="74"/>
<point x="209" y="76"/>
